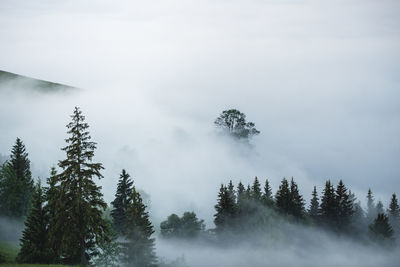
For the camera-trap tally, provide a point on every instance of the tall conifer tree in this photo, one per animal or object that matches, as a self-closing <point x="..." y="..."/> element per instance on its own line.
<point x="313" y="211"/>
<point x="283" y="197"/>
<point x="329" y="205"/>
<point x="296" y="207"/>
<point x="394" y="214"/>
<point x="371" y="208"/>
<point x="16" y="185"/>
<point x="121" y="201"/>
<point x="34" y="246"/>
<point x="381" y="230"/>
<point x="226" y="210"/>
<point x="267" y="197"/>
<point x="344" y="206"/>
<point x="80" y="205"/>
<point x="256" y="190"/>
<point x="138" y="248"/>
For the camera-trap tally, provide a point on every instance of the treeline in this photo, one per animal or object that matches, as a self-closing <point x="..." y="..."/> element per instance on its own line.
<point x="245" y="209"/>
<point x="66" y="220"/>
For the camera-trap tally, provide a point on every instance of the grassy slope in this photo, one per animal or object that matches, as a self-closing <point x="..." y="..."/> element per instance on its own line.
<point x="30" y="83"/>
<point x="9" y="251"/>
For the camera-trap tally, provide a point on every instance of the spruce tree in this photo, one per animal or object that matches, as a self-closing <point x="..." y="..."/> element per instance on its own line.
<point x="52" y="207"/>
<point x="313" y="211"/>
<point x="121" y="202"/>
<point x="328" y="207"/>
<point x="34" y="247"/>
<point x="80" y="202"/>
<point x="371" y="208"/>
<point x="256" y="190"/>
<point x="394" y="214"/>
<point x="240" y="192"/>
<point x="16" y="186"/>
<point x="379" y="207"/>
<point x="226" y="211"/>
<point x="267" y="197"/>
<point x="381" y="231"/>
<point x="283" y="197"/>
<point x="344" y="207"/>
<point x="296" y="206"/>
<point x="138" y="248"/>
<point x="231" y="190"/>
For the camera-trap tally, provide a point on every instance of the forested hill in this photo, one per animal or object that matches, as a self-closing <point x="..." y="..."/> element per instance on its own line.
<point x="14" y="81"/>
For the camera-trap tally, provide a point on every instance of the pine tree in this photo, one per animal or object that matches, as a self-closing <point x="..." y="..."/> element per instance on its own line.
<point x="34" y="247"/>
<point x="379" y="207"/>
<point x="394" y="214"/>
<point x="256" y="190"/>
<point x="296" y="206"/>
<point x="52" y="194"/>
<point x="344" y="207"/>
<point x="12" y="202"/>
<point x="371" y="208"/>
<point x="109" y="248"/>
<point x="138" y="250"/>
<point x="16" y="186"/>
<point x="283" y="197"/>
<point x="313" y="211"/>
<point x="240" y="192"/>
<point x="121" y="202"/>
<point x="358" y="225"/>
<point x="267" y="198"/>
<point x="226" y="211"/>
<point x="381" y="231"/>
<point x="80" y="202"/>
<point x="328" y="208"/>
<point x="231" y="190"/>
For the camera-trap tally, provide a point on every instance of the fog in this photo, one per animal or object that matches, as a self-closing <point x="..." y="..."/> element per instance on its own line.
<point x="318" y="78"/>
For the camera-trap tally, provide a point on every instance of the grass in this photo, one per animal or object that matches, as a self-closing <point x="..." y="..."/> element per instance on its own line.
<point x="29" y="265"/>
<point x="9" y="251"/>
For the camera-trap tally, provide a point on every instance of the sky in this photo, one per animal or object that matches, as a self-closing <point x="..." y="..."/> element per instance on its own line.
<point x="318" y="78"/>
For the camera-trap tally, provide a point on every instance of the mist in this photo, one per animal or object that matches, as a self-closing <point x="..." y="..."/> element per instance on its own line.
<point x="318" y="78"/>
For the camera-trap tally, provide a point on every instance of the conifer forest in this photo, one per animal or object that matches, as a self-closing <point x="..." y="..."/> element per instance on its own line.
<point x="199" y="133"/>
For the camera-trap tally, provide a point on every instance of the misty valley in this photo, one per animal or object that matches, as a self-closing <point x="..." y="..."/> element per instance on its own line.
<point x="65" y="219"/>
<point x="212" y="133"/>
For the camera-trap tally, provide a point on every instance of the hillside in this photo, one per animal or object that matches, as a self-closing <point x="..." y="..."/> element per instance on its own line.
<point x="14" y="81"/>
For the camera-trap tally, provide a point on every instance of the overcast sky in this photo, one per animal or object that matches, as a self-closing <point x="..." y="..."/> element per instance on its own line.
<point x="320" y="79"/>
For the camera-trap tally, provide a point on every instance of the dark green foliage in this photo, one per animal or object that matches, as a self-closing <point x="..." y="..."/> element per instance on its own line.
<point x="256" y="190"/>
<point x="267" y="197"/>
<point x="52" y="206"/>
<point x="394" y="214"/>
<point x="394" y="209"/>
<point x="80" y="203"/>
<point x="34" y="246"/>
<point x="288" y="199"/>
<point x="2" y="258"/>
<point x="138" y="248"/>
<point x="379" y="207"/>
<point x="188" y="226"/>
<point x="282" y="197"/>
<point x="226" y="211"/>
<point x="16" y="184"/>
<point x="328" y="207"/>
<point x="381" y="231"/>
<point x="231" y="190"/>
<point x="313" y="211"/>
<point x="108" y="248"/>
<point x="344" y="207"/>
<point x="371" y="208"/>
<point x="234" y="122"/>
<point x="121" y="202"/>
<point x="296" y="207"/>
